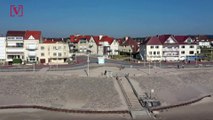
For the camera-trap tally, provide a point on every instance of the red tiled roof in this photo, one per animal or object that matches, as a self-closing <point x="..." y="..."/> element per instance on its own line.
<point x="35" y="34"/>
<point x="16" y="33"/>
<point x="107" y="39"/>
<point x="52" y="40"/>
<point x="154" y="41"/>
<point x="77" y="38"/>
<point x="181" y="39"/>
<point x="132" y="43"/>
<point x="163" y="38"/>
<point x="96" y="39"/>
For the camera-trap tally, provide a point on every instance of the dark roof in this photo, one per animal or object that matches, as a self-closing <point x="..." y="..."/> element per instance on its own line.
<point x="163" y="38"/>
<point x="16" y="33"/>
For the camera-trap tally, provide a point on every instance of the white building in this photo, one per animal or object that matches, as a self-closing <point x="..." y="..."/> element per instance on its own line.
<point x="2" y="50"/>
<point x="14" y="46"/>
<point x="169" y="48"/>
<point x="31" y="43"/>
<point x="152" y="50"/>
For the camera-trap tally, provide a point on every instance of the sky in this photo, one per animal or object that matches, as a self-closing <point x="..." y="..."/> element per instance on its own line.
<point x="117" y="18"/>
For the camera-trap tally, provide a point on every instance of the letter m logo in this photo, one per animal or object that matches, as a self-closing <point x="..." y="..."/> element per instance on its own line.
<point x="16" y="10"/>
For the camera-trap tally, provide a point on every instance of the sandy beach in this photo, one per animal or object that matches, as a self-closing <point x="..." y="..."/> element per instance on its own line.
<point x="198" y="111"/>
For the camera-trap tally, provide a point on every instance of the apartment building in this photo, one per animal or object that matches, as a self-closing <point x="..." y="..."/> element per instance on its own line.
<point x="2" y="50"/>
<point x="31" y="43"/>
<point x="151" y="50"/>
<point x="169" y="48"/>
<point x="188" y="48"/>
<point x="53" y="51"/>
<point x="14" y="46"/>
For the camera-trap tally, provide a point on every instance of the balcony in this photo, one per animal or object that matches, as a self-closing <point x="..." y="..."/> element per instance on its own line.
<point x="32" y="53"/>
<point x="32" y="47"/>
<point x="15" y="49"/>
<point x="170" y="49"/>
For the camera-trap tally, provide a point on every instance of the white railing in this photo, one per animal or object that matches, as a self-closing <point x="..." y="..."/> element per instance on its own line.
<point x="32" y="53"/>
<point x="170" y="49"/>
<point x="14" y="49"/>
<point x="32" y="47"/>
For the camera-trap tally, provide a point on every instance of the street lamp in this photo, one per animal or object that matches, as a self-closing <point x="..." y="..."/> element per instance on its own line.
<point x="57" y="48"/>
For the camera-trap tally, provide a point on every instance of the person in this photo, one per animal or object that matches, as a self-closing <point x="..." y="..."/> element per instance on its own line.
<point x="178" y="66"/>
<point x="182" y="65"/>
<point x="105" y="72"/>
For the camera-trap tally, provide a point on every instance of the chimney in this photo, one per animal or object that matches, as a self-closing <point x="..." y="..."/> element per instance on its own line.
<point x="100" y="37"/>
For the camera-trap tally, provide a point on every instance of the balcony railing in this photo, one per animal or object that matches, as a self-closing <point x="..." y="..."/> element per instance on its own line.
<point x="170" y="49"/>
<point x="14" y="49"/>
<point x="32" y="47"/>
<point x="32" y="53"/>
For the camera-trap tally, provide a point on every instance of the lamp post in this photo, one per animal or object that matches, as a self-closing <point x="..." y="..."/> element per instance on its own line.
<point x="129" y="55"/>
<point x="57" y="53"/>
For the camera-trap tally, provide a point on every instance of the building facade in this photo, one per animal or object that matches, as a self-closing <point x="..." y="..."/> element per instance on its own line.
<point x="31" y="43"/>
<point x="2" y="50"/>
<point x="169" y="48"/>
<point x="53" y="52"/>
<point x="14" y="46"/>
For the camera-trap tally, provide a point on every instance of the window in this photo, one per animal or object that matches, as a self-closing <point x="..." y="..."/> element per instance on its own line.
<point x="158" y="53"/>
<point x="54" y="54"/>
<point x="150" y="53"/>
<point x="156" y="46"/>
<point x="54" y="47"/>
<point x="42" y="47"/>
<point x="191" y="46"/>
<point x="182" y="52"/>
<point x="19" y="44"/>
<point x="59" y="47"/>
<point x="42" y="54"/>
<point x="191" y="52"/>
<point x="154" y="53"/>
<point x="151" y="46"/>
<point x="182" y="46"/>
<point x="59" y="54"/>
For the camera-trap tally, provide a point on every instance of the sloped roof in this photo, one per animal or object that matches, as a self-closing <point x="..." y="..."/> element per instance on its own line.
<point x="107" y="39"/>
<point x="77" y="38"/>
<point x="36" y="35"/>
<point x="52" y="40"/>
<point x="163" y="38"/>
<point x="16" y="33"/>
<point x="153" y="41"/>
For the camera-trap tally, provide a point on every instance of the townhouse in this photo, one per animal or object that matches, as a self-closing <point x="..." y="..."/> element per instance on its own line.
<point x="83" y="44"/>
<point x="14" y="46"/>
<point x="96" y="45"/>
<point x="107" y="46"/>
<point x="31" y="43"/>
<point x="53" y="51"/>
<point x="151" y="49"/>
<point x="128" y="45"/>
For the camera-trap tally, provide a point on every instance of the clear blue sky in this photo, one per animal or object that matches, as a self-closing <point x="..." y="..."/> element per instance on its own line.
<point x="118" y="18"/>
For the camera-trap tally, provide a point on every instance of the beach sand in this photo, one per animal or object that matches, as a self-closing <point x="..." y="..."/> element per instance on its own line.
<point x="202" y="110"/>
